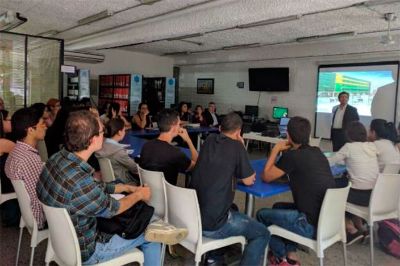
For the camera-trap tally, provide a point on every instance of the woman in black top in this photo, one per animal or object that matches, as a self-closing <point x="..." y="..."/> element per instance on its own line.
<point x="184" y="115"/>
<point x="141" y="119"/>
<point x="199" y="116"/>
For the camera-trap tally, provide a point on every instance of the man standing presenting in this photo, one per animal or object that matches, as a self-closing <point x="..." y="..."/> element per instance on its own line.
<point x="343" y="115"/>
<point x="223" y="161"/>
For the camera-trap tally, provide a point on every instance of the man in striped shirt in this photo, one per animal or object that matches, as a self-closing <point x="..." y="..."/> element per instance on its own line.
<point x="24" y="163"/>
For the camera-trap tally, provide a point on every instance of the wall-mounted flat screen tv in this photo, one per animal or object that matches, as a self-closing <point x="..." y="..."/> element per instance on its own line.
<point x="269" y="79"/>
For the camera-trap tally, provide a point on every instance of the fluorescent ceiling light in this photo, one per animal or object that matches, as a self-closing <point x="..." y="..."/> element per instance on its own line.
<point x="49" y="33"/>
<point x="83" y="57"/>
<point x="185" y="37"/>
<point x="240" y="46"/>
<point x="9" y="21"/>
<point x="148" y="2"/>
<point x="193" y="42"/>
<point x="96" y="17"/>
<point x="269" y="21"/>
<point x="380" y="2"/>
<point x="178" y="53"/>
<point x="326" y="37"/>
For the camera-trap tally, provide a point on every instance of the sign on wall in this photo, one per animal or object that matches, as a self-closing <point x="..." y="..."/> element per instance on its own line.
<point x="136" y="93"/>
<point x="169" y="92"/>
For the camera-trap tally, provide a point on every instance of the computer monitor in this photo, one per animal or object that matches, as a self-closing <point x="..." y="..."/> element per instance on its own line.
<point x="279" y="112"/>
<point x="251" y="110"/>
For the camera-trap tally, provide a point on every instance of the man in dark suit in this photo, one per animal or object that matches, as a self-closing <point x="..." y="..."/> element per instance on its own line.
<point x="211" y="116"/>
<point x="343" y="115"/>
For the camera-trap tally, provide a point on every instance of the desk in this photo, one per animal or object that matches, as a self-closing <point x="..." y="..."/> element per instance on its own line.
<point x="260" y="189"/>
<point x="263" y="190"/>
<point x="257" y="136"/>
<point x="137" y="145"/>
<point x="156" y="132"/>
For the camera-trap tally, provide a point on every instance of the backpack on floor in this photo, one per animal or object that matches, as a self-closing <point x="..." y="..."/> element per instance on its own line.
<point x="389" y="237"/>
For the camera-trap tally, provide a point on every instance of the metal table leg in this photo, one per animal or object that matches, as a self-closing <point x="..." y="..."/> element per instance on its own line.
<point x="198" y="141"/>
<point x="249" y="208"/>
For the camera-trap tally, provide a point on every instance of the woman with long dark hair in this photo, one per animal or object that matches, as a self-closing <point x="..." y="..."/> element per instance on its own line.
<point x="141" y="119"/>
<point x="184" y="114"/>
<point x="125" y="168"/>
<point x="384" y="135"/>
<point x="361" y="160"/>
<point x="114" y="111"/>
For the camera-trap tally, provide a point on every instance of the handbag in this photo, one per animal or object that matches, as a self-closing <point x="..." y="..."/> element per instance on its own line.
<point x="130" y="224"/>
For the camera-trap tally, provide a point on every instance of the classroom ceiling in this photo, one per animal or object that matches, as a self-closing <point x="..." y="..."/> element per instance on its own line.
<point x="173" y="27"/>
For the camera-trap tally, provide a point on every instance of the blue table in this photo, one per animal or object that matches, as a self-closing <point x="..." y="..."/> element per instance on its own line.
<point x="262" y="189"/>
<point x="191" y="130"/>
<point x="137" y="144"/>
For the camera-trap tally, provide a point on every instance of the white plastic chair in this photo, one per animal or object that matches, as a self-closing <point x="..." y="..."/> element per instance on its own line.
<point x="331" y="225"/>
<point x="392" y="168"/>
<point x="156" y="182"/>
<point x="65" y="245"/>
<point x="28" y="221"/>
<point x="107" y="172"/>
<point x="184" y="211"/>
<point x="315" y="142"/>
<point x="6" y="196"/>
<point x="383" y="204"/>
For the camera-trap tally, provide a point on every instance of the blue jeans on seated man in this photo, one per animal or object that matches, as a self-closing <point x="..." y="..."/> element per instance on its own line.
<point x="256" y="234"/>
<point x="118" y="246"/>
<point x="285" y="216"/>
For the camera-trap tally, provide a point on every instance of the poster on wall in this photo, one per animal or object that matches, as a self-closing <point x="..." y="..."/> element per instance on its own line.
<point x="169" y="92"/>
<point x="136" y="93"/>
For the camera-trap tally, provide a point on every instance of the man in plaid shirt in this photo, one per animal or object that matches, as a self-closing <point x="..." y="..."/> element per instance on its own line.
<point x="67" y="182"/>
<point x="24" y="163"/>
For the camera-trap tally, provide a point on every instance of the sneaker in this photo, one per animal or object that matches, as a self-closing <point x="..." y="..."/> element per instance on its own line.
<point x="162" y="232"/>
<point x="172" y="251"/>
<point x="352" y="238"/>
<point x="366" y="237"/>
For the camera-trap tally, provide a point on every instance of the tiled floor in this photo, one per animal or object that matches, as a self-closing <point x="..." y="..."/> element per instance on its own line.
<point x="358" y="254"/>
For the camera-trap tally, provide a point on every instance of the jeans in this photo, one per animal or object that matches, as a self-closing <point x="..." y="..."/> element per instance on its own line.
<point x="256" y="234"/>
<point x="288" y="219"/>
<point x="118" y="246"/>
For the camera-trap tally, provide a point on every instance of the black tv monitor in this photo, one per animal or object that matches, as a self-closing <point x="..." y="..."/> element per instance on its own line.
<point x="278" y="112"/>
<point x="269" y="79"/>
<point x="251" y="110"/>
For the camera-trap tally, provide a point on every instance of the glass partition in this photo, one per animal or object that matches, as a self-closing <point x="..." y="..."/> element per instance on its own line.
<point x="29" y="69"/>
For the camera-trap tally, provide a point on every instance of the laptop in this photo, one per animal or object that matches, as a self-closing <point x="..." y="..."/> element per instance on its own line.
<point x="283" y="127"/>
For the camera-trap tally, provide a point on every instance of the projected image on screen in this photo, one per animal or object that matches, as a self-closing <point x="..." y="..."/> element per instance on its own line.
<point x="372" y="90"/>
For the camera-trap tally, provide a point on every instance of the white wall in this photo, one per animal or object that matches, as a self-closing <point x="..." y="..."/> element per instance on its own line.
<point x="303" y="61"/>
<point x="124" y="62"/>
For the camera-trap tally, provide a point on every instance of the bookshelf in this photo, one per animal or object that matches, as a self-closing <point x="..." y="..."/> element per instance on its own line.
<point x="115" y="88"/>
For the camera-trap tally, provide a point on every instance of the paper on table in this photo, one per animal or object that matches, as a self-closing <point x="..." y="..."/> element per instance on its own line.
<point x="117" y="196"/>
